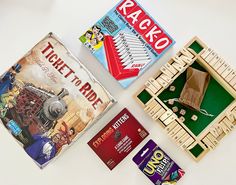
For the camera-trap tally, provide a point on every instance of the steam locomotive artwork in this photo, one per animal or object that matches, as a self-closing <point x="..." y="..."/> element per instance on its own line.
<point x="40" y="109"/>
<point x="36" y="111"/>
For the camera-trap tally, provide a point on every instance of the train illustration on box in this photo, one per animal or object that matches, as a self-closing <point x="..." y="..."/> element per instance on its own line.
<point x="40" y="109"/>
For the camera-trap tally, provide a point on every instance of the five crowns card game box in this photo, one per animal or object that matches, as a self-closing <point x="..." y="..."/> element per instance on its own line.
<point x="126" y="41"/>
<point x="48" y="99"/>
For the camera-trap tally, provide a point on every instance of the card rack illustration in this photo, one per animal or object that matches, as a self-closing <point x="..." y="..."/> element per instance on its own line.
<point x="126" y="55"/>
<point x="126" y="41"/>
<point x="196" y="77"/>
<point x="48" y="99"/>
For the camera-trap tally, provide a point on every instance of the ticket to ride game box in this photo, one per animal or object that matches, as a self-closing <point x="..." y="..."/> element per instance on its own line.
<point x="48" y="99"/>
<point x="126" y="41"/>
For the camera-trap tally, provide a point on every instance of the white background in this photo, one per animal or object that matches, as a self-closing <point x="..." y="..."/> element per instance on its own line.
<point x="24" y="22"/>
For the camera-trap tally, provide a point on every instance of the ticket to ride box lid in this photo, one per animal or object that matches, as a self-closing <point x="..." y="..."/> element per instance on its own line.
<point x="115" y="22"/>
<point x="55" y="81"/>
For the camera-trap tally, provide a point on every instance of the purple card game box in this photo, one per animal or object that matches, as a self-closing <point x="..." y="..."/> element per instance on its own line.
<point x="157" y="165"/>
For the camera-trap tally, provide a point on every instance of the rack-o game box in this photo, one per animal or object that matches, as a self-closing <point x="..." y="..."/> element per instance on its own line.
<point x="126" y="41"/>
<point x="48" y="99"/>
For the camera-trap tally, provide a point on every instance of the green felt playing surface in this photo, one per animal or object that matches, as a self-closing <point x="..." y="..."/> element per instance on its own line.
<point x="216" y="100"/>
<point x="196" y="47"/>
<point x="144" y="96"/>
<point x="197" y="150"/>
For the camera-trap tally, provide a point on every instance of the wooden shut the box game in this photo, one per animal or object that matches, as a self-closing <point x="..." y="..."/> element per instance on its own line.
<point x="193" y="97"/>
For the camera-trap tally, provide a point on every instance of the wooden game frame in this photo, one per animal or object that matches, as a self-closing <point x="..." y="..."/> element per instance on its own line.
<point x="224" y="123"/>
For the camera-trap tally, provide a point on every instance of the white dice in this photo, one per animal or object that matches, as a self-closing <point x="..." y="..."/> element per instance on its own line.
<point x="182" y="112"/>
<point x="172" y="88"/>
<point x="194" y="118"/>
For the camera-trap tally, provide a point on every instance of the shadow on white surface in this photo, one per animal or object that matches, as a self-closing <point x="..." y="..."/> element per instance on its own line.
<point x="42" y="5"/>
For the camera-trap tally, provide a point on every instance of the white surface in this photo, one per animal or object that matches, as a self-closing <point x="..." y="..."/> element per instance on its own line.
<point x="24" y="22"/>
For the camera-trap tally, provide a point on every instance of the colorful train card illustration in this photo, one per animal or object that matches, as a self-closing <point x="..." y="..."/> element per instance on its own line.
<point x="126" y="41"/>
<point x="157" y="165"/>
<point x="48" y="99"/>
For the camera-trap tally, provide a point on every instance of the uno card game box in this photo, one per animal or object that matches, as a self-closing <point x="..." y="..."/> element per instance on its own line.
<point x="48" y="99"/>
<point x="157" y="165"/>
<point x="118" y="138"/>
<point x="126" y="41"/>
